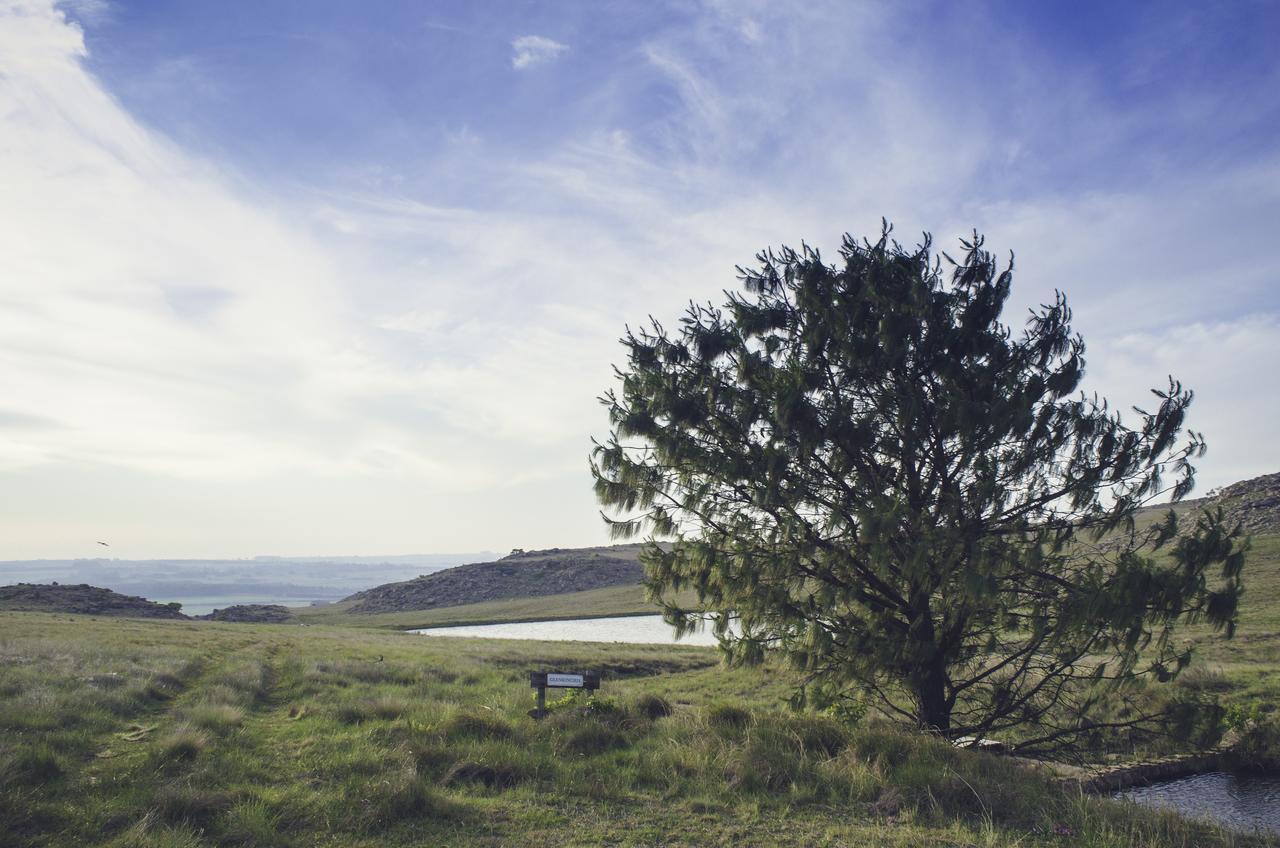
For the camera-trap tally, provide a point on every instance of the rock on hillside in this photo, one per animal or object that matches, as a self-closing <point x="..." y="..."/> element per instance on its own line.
<point x="253" y="614"/>
<point x="1254" y="503"/>
<point x="519" y="575"/>
<point x="82" y="598"/>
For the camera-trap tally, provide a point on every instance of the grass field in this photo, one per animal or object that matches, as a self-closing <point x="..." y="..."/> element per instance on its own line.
<point x="133" y="733"/>
<point x="346" y="733"/>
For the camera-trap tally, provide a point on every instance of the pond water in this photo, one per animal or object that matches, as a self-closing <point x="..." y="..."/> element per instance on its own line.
<point x="636" y="629"/>
<point x="1250" y="803"/>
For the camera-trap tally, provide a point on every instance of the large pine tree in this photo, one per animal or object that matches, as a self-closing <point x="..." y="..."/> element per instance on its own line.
<point x="864" y="470"/>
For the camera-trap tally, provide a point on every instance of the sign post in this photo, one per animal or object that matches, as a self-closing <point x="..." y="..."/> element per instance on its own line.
<point x="544" y="680"/>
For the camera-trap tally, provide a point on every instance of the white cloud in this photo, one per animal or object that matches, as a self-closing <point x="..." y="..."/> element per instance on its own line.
<point x="1230" y="365"/>
<point x="532" y="50"/>
<point x="374" y="371"/>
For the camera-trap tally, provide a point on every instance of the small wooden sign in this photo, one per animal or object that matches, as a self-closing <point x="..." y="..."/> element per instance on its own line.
<point x="544" y="680"/>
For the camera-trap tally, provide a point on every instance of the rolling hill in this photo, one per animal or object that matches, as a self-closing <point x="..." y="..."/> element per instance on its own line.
<point x="521" y="574"/>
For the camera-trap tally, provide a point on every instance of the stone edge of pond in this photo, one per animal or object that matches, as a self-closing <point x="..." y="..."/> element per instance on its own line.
<point x="1107" y="779"/>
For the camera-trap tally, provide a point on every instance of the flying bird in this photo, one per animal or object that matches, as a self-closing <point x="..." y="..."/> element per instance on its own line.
<point x="104" y="544"/>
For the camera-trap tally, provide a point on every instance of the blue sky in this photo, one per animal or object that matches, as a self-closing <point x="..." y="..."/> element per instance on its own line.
<point x="347" y="278"/>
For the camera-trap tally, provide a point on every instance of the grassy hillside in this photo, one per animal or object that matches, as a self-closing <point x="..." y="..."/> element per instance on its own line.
<point x="141" y="733"/>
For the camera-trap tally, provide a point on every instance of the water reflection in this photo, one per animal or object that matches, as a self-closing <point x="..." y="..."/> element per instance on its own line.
<point x="634" y="629"/>
<point x="1244" y="802"/>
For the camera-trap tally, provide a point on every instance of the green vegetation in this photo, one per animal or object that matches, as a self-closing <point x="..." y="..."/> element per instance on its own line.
<point x="154" y="733"/>
<point x="868" y="473"/>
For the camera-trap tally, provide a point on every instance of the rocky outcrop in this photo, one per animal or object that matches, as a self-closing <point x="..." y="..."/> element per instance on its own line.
<point x="521" y="574"/>
<point x="83" y="599"/>
<point x="253" y="614"/>
<point x="1254" y="503"/>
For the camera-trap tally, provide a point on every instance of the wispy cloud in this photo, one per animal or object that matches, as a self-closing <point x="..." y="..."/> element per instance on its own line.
<point x="532" y="50"/>
<point x="390" y="357"/>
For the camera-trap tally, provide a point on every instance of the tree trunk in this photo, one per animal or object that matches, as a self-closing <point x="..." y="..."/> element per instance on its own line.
<point x="933" y="710"/>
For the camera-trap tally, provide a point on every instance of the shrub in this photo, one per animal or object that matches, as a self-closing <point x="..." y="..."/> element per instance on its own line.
<point x="584" y="702"/>
<point x="848" y="712"/>
<point x="651" y="706"/>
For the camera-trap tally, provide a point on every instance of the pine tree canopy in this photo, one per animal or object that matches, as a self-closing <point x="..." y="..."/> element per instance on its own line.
<point x="863" y="470"/>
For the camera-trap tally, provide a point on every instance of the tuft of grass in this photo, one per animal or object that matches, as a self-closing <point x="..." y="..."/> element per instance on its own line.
<point x="35" y="764"/>
<point x="494" y="776"/>
<point x="769" y="761"/>
<point x="190" y="805"/>
<point x="651" y="706"/>
<point x="164" y="687"/>
<point x="215" y="718"/>
<point x="817" y="734"/>
<point x="593" y="738"/>
<point x="254" y="823"/>
<point x="371" y="709"/>
<point x="148" y="832"/>
<point x="468" y="724"/>
<point x="402" y="796"/>
<point x="728" y="717"/>
<point x="183" y="743"/>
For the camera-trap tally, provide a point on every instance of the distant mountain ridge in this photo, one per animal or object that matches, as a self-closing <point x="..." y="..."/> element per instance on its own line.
<point x="520" y="574"/>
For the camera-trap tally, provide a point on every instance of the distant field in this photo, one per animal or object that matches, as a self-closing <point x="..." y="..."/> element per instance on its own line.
<point x="166" y="734"/>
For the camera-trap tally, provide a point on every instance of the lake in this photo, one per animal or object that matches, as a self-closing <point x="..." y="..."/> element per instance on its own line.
<point x="633" y="629"/>
<point x="1249" y="803"/>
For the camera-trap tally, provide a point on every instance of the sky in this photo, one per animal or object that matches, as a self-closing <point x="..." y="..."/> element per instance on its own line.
<point x="348" y="278"/>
